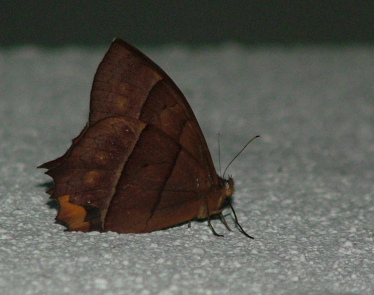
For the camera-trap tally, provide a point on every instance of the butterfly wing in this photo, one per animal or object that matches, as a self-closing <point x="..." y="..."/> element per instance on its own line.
<point x="142" y="162"/>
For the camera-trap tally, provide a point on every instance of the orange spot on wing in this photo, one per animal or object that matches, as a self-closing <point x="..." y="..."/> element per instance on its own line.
<point x="73" y="215"/>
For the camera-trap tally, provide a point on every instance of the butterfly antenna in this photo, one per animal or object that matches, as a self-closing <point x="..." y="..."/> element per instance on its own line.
<point x="219" y="154"/>
<point x="237" y="155"/>
<point x="238" y="224"/>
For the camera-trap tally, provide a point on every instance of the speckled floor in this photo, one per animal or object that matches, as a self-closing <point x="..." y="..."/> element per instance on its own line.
<point x="304" y="190"/>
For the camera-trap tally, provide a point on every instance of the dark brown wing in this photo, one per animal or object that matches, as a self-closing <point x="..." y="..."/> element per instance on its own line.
<point x="142" y="162"/>
<point x="127" y="83"/>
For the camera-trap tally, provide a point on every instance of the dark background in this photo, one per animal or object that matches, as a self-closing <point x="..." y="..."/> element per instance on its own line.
<point x="57" y="23"/>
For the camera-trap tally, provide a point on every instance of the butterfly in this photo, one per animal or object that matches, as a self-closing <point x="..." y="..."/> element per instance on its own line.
<point x="141" y="163"/>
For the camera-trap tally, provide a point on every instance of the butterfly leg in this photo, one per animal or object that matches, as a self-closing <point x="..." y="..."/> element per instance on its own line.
<point x="237" y="223"/>
<point x="213" y="231"/>
<point x="223" y="219"/>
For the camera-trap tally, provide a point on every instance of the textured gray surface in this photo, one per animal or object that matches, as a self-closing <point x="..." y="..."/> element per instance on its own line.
<point x="304" y="189"/>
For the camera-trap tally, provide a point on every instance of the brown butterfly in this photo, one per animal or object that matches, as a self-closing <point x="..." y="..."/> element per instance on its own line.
<point x="141" y="163"/>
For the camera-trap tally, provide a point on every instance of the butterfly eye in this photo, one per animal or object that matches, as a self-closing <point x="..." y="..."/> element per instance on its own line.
<point x="229" y="184"/>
